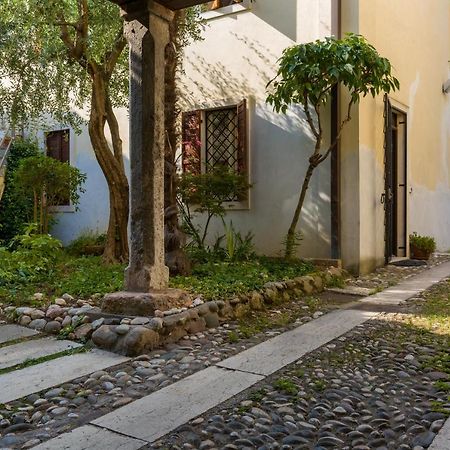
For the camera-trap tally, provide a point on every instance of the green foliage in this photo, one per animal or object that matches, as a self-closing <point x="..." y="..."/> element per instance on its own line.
<point x="25" y="271"/>
<point x="206" y="194"/>
<point x="32" y="260"/>
<point x="15" y="210"/>
<point x="223" y="279"/>
<point x="308" y="72"/>
<point x="238" y="248"/>
<point x="40" y="244"/>
<point x="44" y="74"/>
<point x="286" y="385"/>
<point x="48" y="182"/>
<point x="424" y="243"/>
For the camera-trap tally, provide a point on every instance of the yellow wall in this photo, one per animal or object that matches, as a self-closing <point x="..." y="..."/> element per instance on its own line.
<point x="414" y="35"/>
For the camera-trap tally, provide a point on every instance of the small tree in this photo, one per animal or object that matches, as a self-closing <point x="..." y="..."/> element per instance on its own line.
<point x="49" y="182"/>
<point x="307" y="75"/>
<point x="206" y="193"/>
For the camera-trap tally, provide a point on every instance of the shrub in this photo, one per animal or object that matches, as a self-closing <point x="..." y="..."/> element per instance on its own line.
<point x="15" y="210"/>
<point x="48" y="182"/>
<point x="425" y="243"/>
<point x="206" y="194"/>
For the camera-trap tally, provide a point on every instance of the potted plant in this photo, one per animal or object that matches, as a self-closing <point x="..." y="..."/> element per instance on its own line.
<point x="421" y="247"/>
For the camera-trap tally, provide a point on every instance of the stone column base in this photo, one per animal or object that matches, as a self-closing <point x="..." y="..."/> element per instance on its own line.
<point x="145" y="304"/>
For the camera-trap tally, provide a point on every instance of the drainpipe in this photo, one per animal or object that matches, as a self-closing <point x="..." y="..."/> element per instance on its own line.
<point x="335" y="155"/>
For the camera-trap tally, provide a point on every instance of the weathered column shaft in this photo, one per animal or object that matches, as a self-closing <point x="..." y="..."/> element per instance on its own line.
<point x="147" y="31"/>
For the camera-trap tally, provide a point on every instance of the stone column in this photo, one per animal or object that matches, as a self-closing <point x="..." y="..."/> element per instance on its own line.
<point x="147" y="31"/>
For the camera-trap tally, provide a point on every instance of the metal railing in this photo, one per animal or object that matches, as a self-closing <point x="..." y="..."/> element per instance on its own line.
<point x="5" y="145"/>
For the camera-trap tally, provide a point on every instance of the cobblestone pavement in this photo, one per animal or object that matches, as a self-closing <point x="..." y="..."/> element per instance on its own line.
<point x="384" y="385"/>
<point x="26" y="422"/>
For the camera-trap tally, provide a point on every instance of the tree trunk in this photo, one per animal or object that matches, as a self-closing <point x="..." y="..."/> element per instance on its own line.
<point x="291" y="238"/>
<point x="111" y="163"/>
<point x="175" y="255"/>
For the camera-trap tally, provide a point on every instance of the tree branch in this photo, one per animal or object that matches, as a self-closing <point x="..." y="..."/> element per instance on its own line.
<point x="110" y="59"/>
<point x="309" y="117"/>
<point x="338" y="137"/>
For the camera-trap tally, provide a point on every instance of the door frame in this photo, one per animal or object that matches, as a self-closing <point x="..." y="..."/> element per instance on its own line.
<point x="390" y="197"/>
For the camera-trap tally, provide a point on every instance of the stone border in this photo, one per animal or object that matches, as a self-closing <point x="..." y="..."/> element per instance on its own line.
<point x="132" y="336"/>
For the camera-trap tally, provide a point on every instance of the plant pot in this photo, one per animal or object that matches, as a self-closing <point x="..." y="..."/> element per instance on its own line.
<point x="419" y="253"/>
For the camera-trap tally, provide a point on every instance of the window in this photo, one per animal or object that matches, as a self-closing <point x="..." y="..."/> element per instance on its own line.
<point x="214" y="138"/>
<point x="57" y="146"/>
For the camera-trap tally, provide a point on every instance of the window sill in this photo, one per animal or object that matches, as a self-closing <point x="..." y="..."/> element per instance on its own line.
<point x="226" y="10"/>
<point x="62" y="209"/>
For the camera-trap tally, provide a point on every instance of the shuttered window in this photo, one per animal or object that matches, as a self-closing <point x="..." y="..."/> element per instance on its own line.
<point x="224" y="133"/>
<point x="58" y="147"/>
<point x="215" y="137"/>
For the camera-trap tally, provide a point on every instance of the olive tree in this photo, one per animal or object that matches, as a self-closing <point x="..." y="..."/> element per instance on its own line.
<point x="307" y="75"/>
<point x="63" y="56"/>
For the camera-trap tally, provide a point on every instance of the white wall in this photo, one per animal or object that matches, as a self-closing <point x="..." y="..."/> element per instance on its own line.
<point x="236" y="59"/>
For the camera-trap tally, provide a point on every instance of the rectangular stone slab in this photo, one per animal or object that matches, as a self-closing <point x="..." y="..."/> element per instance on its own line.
<point x="157" y="414"/>
<point x="19" y="353"/>
<point x="442" y="440"/>
<point x="23" y="382"/>
<point x="410" y="287"/>
<point x="89" y="437"/>
<point x="13" y="332"/>
<point x="272" y="355"/>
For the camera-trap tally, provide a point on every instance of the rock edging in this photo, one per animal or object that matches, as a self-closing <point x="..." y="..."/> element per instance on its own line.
<point x="132" y="336"/>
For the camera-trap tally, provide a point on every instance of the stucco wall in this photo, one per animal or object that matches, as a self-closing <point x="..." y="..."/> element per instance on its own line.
<point x="415" y="36"/>
<point x="236" y="59"/>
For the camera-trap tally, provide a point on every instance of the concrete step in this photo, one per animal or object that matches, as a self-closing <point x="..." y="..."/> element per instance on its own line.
<point x="12" y="332"/>
<point x="33" y="379"/>
<point x="12" y="355"/>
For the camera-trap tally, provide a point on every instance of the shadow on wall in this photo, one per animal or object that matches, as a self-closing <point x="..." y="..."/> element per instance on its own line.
<point x="280" y="148"/>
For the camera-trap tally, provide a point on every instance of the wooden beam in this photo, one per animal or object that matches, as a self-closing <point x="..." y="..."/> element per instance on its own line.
<point x="171" y="4"/>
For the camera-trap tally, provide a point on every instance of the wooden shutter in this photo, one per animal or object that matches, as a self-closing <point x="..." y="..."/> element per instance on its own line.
<point x="58" y="145"/>
<point x="192" y="142"/>
<point x="242" y="137"/>
<point x="58" y="148"/>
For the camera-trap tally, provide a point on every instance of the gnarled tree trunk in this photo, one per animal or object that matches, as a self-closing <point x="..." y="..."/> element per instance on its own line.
<point x="176" y="258"/>
<point x="111" y="163"/>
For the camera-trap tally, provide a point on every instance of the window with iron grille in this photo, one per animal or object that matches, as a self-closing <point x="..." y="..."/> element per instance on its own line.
<point x="216" y="138"/>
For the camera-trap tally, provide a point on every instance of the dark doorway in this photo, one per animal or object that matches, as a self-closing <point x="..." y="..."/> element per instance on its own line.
<point x="394" y="196"/>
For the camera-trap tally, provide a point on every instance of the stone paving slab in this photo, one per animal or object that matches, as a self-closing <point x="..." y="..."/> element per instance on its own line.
<point x="155" y="415"/>
<point x="89" y="437"/>
<point x="409" y="288"/>
<point x="13" y="332"/>
<point x="23" y="382"/>
<point x="286" y="348"/>
<point x="19" y="353"/>
<point x="442" y="440"/>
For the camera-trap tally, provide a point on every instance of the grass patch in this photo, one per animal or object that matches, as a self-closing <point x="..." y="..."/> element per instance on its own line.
<point x="224" y="279"/>
<point x="285" y="385"/>
<point x="258" y="396"/>
<point x="83" y="276"/>
<point x="78" y="276"/>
